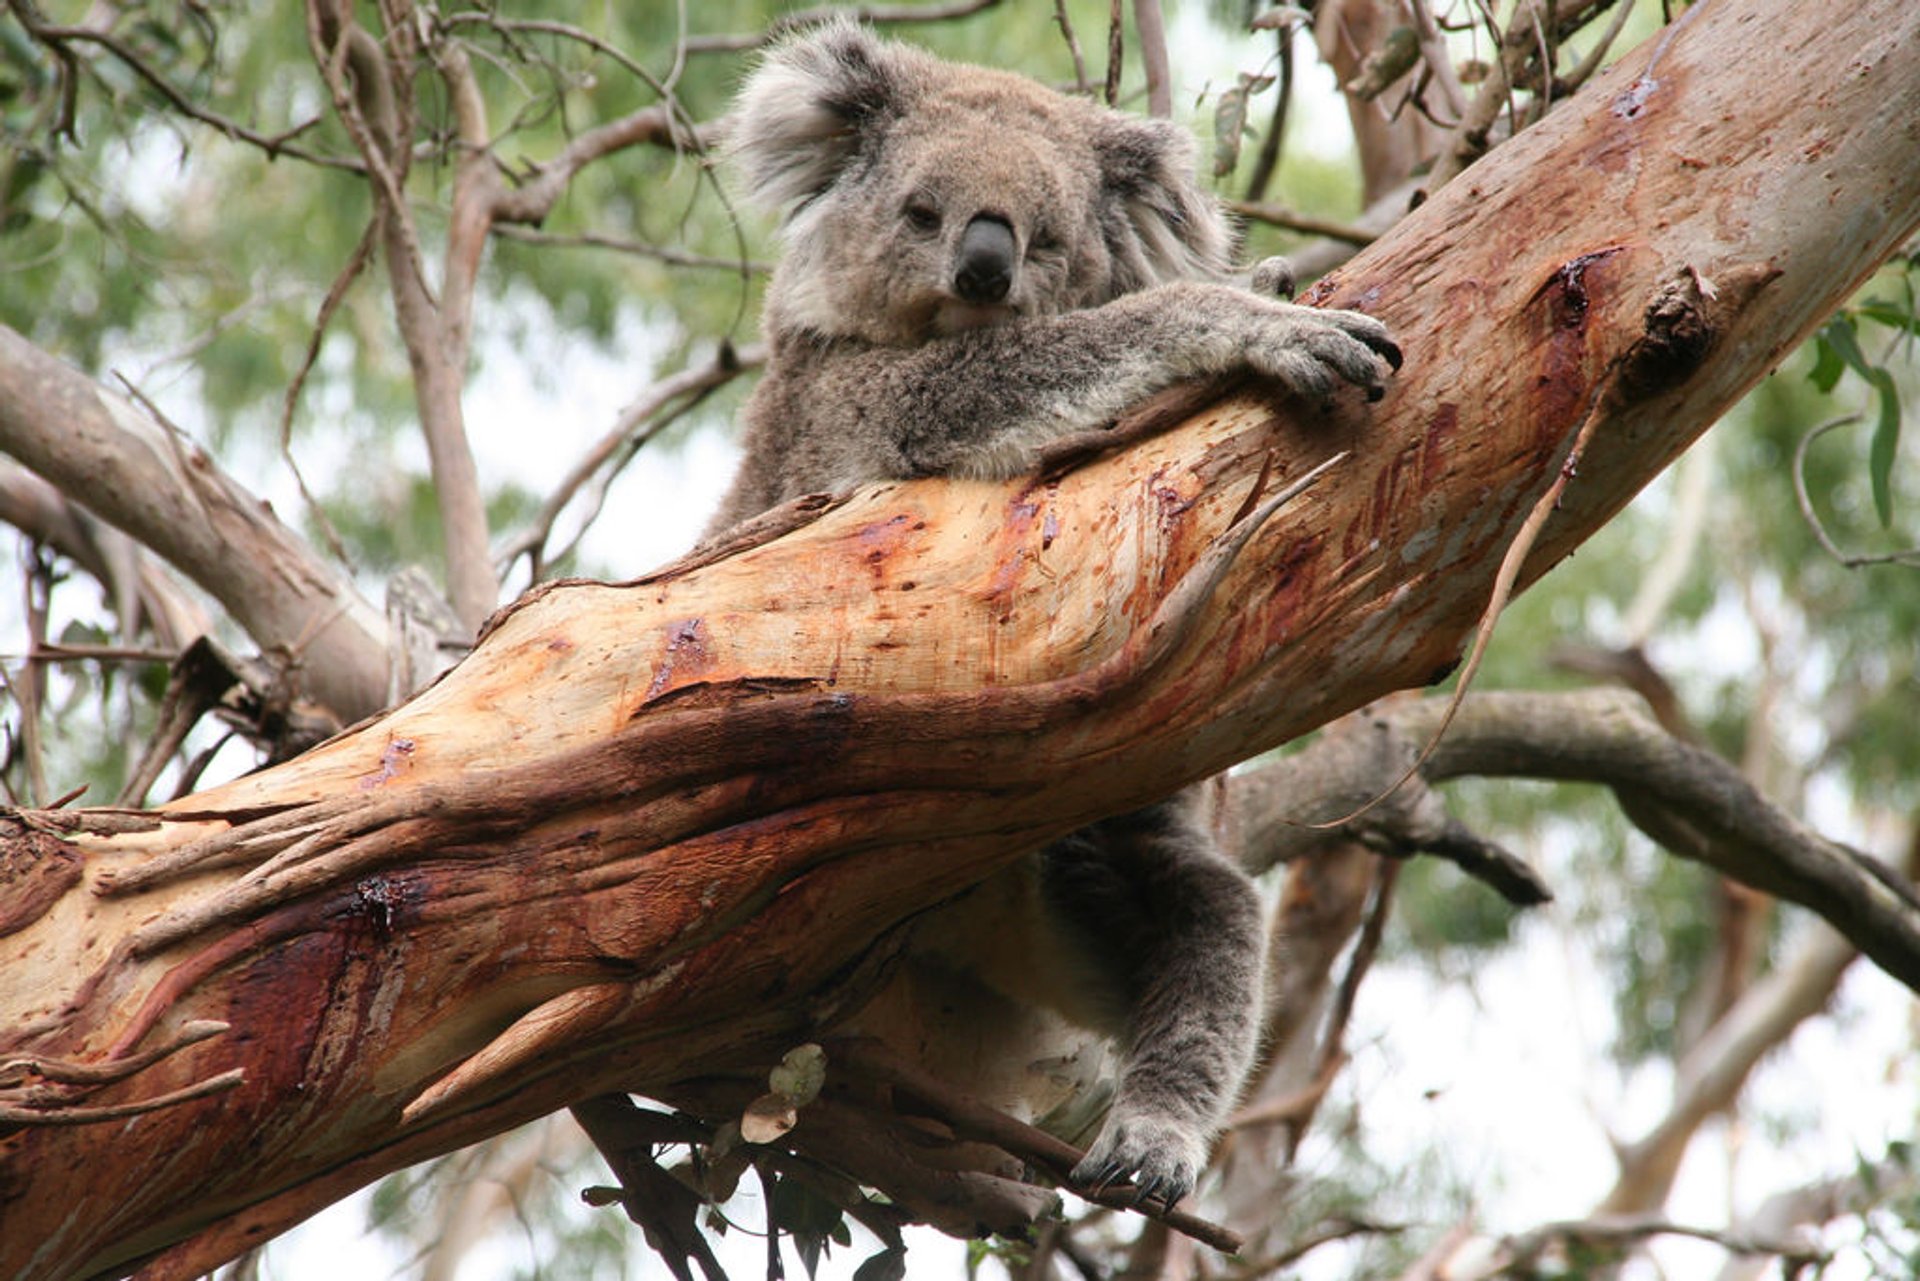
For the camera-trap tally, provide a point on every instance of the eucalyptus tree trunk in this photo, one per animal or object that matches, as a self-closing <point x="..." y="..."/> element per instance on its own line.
<point x="652" y="830"/>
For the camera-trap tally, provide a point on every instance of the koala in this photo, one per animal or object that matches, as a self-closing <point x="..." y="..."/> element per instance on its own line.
<point x="975" y="265"/>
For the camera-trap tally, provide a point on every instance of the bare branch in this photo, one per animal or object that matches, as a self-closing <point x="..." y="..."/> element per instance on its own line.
<point x="1910" y="556"/>
<point x="1319" y="257"/>
<point x="1789" y="1216"/>
<point x="143" y="593"/>
<point x="1596" y="57"/>
<point x="371" y="92"/>
<point x="972" y="1119"/>
<point x="656" y="125"/>
<point x="801" y="19"/>
<point x="1433" y="49"/>
<point x="1692" y="802"/>
<point x="644" y="418"/>
<point x="1713" y="1072"/>
<point x="1365" y="41"/>
<point x="1522" y="1253"/>
<point x="638" y="248"/>
<point x="1326" y="1233"/>
<point x="59" y="38"/>
<point x="1081" y="84"/>
<point x="1267" y="161"/>
<point x="1150" y="26"/>
<point x="1517" y="47"/>
<point x="169" y="496"/>
<point x="1281" y="216"/>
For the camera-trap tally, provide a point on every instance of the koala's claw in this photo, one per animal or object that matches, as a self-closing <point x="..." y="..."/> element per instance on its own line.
<point x="1386" y="348"/>
<point x="1161" y="1167"/>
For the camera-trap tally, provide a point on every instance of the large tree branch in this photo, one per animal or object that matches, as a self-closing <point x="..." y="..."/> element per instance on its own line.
<point x="1694" y="803"/>
<point x="372" y="90"/>
<point x="144" y="595"/>
<point x="165" y="492"/>
<point x="652" y="831"/>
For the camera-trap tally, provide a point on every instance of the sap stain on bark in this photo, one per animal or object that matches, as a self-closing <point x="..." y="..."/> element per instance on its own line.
<point x="395" y="759"/>
<point x="1564" y="382"/>
<point x="686" y="658"/>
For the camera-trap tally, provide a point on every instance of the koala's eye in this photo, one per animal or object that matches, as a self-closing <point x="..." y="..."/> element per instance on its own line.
<point x="1044" y="241"/>
<point x="922" y="216"/>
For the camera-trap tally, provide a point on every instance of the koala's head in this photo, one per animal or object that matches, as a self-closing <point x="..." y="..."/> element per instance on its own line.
<point x="923" y="197"/>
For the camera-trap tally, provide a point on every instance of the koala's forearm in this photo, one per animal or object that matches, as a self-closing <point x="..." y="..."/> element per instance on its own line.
<point x="982" y="402"/>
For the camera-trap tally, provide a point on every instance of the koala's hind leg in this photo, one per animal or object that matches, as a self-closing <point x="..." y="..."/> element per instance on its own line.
<point x="1157" y="904"/>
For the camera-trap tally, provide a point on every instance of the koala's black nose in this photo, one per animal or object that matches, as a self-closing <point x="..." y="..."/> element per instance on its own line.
<point x="984" y="272"/>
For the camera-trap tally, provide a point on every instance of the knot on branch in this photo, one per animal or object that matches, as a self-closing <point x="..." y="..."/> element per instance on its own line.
<point x="1680" y="326"/>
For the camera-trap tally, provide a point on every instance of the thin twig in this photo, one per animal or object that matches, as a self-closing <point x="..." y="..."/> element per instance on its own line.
<point x="1281" y="216"/>
<point x="1325" y="1233"/>
<point x="1150" y="27"/>
<point x="1080" y="83"/>
<point x="57" y="38"/>
<point x="1116" y="54"/>
<point x="1266" y="162"/>
<point x="1332" y="1052"/>
<point x="1596" y="57"/>
<point x="623" y="245"/>
<point x="1910" y="556"/>
<point x="336" y="294"/>
<point x="1433" y="49"/>
<point x="29" y="688"/>
<point x="1503" y="581"/>
<point x="975" y="1120"/>
<point x="642" y="420"/>
<point x="1624" y="1230"/>
<point x="801" y="19"/>
<point x="76" y="652"/>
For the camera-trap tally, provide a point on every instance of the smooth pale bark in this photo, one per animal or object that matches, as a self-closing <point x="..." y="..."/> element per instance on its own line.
<point x="646" y="831"/>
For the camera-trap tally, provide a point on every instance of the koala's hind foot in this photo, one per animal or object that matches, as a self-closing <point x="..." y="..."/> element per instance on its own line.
<point x="1158" y="905"/>
<point x="1160" y="1158"/>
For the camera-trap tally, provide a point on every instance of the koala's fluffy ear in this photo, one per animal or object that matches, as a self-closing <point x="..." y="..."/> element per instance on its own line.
<point x="805" y="113"/>
<point x="1160" y="224"/>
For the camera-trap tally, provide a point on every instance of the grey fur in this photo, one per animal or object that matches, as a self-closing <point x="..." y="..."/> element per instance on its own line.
<point x="976" y="265"/>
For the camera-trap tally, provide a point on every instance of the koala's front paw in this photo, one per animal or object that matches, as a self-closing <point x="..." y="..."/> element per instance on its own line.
<point x="1309" y="350"/>
<point x="1159" y="1157"/>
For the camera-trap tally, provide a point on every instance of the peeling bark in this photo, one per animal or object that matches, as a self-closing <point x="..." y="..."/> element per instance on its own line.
<point x="652" y="831"/>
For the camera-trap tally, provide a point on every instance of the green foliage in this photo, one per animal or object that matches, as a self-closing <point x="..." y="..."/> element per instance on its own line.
<point x="1659" y="949"/>
<point x="806" y="1215"/>
<point x="1441" y="913"/>
<point x="1837" y="349"/>
<point x="126" y="222"/>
